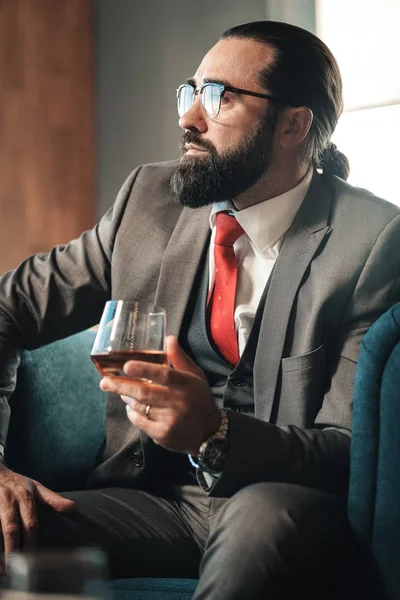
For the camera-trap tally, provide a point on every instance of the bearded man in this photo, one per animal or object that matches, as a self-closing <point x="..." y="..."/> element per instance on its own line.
<point x="233" y="464"/>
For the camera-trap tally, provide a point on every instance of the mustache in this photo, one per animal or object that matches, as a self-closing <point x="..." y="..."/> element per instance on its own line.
<point x="192" y="138"/>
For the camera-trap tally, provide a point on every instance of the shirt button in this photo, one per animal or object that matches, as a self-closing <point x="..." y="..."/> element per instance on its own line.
<point x="137" y="460"/>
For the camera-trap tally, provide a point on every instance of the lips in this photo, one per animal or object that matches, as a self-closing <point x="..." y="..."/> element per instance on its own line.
<point x="194" y="148"/>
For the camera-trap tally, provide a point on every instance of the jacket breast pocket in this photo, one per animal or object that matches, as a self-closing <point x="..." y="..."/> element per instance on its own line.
<point x="302" y="388"/>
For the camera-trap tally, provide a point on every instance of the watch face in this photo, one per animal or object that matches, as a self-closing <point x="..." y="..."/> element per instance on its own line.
<point x="214" y="456"/>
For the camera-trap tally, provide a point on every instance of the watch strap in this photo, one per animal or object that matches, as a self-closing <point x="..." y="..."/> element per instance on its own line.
<point x="221" y="434"/>
<point x="216" y="445"/>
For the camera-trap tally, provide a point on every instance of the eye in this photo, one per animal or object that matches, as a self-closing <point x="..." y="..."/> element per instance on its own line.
<point x="225" y="98"/>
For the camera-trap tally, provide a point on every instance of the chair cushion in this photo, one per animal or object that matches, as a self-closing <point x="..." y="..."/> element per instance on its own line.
<point x="153" y="589"/>
<point x="386" y="532"/>
<point x="57" y="423"/>
<point x="367" y="433"/>
<point x="373" y="502"/>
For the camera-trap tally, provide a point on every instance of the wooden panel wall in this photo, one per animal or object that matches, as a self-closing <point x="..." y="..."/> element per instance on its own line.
<point x="46" y="125"/>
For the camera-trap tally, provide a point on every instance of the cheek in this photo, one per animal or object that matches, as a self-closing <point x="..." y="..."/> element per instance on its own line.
<point x="227" y="140"/>
<point x="228" y="134"/>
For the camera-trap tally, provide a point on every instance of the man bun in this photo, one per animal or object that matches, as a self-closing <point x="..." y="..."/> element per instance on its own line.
<point x="334" y="162"/>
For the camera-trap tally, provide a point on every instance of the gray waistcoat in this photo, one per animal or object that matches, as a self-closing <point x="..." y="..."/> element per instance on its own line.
<point x="231" y="387"/>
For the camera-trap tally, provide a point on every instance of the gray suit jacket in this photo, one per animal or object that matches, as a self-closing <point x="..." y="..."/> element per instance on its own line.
<point x="338" y="270"/>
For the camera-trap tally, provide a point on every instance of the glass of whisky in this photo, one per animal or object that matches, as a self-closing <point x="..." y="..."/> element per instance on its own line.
<point x="129" y="331"/>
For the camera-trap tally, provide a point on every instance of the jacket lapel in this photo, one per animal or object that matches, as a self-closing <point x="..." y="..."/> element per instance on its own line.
<point x="300" y="246"/>
<point x="181" y="261"/>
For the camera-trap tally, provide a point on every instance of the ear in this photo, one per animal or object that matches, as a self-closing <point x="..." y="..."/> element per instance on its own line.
<point x="295" y="124"/>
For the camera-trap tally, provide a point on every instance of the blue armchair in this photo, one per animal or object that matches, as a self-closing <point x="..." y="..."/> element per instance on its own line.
<point x="54" y="445"/>
<point x="374" y="492"/>
<point x="57" y="448"/>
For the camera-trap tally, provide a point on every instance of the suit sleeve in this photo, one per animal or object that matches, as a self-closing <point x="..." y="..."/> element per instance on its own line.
<point x="318" y="457"/>
<point x="51" y="296"/>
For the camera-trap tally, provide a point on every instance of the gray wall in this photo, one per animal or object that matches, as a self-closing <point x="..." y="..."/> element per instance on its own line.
<point x="296" y="12"/>
<point x="145" y="49"/>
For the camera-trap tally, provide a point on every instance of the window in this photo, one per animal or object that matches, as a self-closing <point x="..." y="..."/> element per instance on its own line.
<point x="363" y="36"/>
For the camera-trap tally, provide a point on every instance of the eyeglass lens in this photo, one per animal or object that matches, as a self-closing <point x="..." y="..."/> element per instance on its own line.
<point x="210" y="99"/>
<point x="211" y="96"/>
<point x="185" y="99"/>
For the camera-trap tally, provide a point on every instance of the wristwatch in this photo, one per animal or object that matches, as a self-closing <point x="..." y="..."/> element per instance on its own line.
<point x="213" y="451"/>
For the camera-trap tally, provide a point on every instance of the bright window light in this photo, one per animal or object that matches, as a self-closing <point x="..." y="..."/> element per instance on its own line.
<point x="363" y="36"/>
<point x="370" y="139"/>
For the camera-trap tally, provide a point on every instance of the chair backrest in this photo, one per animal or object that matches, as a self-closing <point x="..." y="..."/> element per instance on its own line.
<point x="57" y="414"/>
<point x="374" y="493"/>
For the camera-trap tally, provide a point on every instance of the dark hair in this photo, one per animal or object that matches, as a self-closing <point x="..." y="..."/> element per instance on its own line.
<point x="303" y="73"/>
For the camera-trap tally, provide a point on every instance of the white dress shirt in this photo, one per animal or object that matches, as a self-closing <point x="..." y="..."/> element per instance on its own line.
<point x="256" y="252"/>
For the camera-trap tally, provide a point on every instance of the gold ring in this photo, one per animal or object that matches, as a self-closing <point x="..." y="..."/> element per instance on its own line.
<point x="147" y="411"/>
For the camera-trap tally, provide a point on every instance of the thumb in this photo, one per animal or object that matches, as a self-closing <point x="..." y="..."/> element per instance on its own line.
<point x="179" y="359"/>
<point x="45" y="496"/>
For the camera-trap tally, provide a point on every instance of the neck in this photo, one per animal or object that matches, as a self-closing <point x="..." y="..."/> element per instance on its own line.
<point x="273" y="183"/>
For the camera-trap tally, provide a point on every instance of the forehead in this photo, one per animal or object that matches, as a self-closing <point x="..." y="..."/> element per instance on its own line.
<point x="236" y="61"/>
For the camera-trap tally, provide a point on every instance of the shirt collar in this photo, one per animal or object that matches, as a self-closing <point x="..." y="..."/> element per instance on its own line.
<point x="267" y="221"/>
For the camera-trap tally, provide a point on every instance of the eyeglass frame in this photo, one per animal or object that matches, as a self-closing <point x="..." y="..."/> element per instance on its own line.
<point x="223" y="88"/>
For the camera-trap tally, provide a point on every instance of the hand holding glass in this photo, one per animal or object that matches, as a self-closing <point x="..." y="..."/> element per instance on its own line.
<point x="129" y="331"/>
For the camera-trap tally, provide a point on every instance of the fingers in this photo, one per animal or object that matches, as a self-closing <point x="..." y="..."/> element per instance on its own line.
<point x="10" y="529"/>
<point x="152" y="394"/>
<point x="46" y="496"/>
<point x="156" y="429"/>
<point x="153" y="412"/>
<point x="18" y="518"/>
<point x="135" y="384"/>
<point x="28" y="519"/>
<point x="157" y="385"/>
<point x="159" y="376"/>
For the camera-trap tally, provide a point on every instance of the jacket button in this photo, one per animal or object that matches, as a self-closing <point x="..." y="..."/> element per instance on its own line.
<point x="137" y="460"/>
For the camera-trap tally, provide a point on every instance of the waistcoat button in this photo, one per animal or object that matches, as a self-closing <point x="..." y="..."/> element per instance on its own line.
<point x="137" y="459"/>
<point x="238" y="381"/>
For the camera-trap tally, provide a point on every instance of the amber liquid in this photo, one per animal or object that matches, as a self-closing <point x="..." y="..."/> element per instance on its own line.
<point x="111" y="364"/>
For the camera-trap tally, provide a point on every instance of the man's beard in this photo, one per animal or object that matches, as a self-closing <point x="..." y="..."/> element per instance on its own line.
<point x="202" y="180"/>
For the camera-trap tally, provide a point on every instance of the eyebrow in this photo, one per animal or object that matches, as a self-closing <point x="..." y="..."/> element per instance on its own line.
<point x="191" y="81"/>
<point x="215" y="80"/>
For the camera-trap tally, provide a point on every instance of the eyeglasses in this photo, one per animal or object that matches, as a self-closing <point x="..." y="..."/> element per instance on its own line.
<point x="210" y="97"/>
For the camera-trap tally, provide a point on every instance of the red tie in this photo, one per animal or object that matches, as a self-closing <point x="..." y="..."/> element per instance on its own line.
<point x="222" y="320"/>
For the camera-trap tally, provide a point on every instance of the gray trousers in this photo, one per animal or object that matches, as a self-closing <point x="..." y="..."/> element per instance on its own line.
<point x="269" y="540"/>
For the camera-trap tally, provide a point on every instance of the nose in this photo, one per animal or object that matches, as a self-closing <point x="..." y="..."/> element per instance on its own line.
<point x="194" y="118"/>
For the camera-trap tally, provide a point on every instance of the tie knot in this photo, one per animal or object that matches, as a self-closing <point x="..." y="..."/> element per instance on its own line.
<point x="228" y="229"/>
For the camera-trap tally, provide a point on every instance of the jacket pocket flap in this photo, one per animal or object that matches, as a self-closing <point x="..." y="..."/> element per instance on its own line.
<point x="303" y="361"/>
